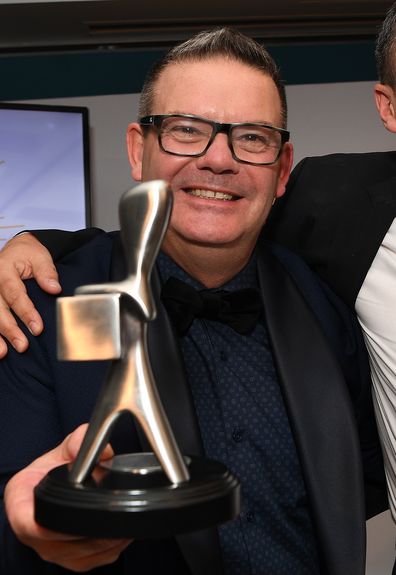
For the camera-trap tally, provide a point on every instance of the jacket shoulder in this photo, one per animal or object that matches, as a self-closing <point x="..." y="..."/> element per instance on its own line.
<point x="342" y="159"/>
<point x="337" y="320"/>
<point x="89" y="263"/>
<point x="334" y="168"/>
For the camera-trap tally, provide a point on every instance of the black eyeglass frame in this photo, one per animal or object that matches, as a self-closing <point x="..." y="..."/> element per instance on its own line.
<point x="156" y="120"/>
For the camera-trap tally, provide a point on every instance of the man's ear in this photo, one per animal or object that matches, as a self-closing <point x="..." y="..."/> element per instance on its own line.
<point x="135" y="145"/>
<point x="385" y="99"/>
<point x="286" y="162"/>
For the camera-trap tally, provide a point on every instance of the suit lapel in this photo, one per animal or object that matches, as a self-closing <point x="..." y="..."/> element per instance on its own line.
<point x="321" y="419"/>
<point x="170" y="377"/>
<point x="200" y="549"/>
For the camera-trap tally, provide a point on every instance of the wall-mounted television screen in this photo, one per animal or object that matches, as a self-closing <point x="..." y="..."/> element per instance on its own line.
<point x="44" y="168"/>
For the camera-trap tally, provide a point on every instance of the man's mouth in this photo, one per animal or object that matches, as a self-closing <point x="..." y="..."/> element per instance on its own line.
<point x="211" y="195"/>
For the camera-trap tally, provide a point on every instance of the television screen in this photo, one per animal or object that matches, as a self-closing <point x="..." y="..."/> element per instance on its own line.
<point x="44" y="168"/>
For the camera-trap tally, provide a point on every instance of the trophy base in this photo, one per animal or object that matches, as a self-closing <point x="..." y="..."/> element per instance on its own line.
<point x="130" y="496"/>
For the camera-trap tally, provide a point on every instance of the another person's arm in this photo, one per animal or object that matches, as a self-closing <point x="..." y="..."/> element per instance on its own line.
<point x="25" y="257"/>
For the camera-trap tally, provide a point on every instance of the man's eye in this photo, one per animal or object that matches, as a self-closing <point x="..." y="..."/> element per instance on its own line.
<point x="184" y="132"/>
<point x="254" y="139"/>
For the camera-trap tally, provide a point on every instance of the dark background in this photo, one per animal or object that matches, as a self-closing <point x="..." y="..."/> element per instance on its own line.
<point x="68" y="48"/>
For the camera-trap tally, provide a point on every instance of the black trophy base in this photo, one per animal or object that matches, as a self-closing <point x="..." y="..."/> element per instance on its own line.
<point x="120" y="500"/>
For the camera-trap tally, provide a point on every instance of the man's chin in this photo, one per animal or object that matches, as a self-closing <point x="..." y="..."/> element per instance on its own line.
<point x="208" y="239"/>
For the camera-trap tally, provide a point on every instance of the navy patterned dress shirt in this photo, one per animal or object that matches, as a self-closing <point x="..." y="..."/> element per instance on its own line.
<point x="244" y="424"/>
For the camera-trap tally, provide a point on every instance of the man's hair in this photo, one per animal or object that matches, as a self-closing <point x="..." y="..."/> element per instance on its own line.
<point x="385" y="49"/>
<point x="220" y="42"/>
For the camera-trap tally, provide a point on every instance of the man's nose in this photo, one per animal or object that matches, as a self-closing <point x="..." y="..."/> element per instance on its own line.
<point x="218" y="156"/>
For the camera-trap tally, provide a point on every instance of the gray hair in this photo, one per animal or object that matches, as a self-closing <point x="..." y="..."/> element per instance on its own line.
<point x="385" y="48"/>
<point x="223" y="42"/>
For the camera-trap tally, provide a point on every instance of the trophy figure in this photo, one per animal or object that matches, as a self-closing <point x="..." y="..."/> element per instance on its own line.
<point x="160" y="493"/>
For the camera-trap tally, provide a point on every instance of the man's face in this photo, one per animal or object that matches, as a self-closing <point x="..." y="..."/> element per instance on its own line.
<point x="225" y="91"/>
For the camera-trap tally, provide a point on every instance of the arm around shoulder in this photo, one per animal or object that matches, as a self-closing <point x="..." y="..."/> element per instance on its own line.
<point x="25" y="257"/>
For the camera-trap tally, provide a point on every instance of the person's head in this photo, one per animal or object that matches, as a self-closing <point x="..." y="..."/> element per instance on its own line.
<point x="224" y="186"/>
<point x="385" y="54"/>
<point x="223" y="43"/>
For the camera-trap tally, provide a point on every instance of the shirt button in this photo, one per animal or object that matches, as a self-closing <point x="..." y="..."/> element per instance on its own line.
<point x="223" y="356"/>
<point x="237" y="434"/>
<point x="250" y="516"/>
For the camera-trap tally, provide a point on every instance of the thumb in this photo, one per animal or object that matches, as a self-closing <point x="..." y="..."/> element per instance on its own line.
<point x="66" y="451"/>
<point x="18" y="493"/>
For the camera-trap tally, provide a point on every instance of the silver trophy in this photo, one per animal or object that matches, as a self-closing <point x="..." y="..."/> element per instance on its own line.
<point x="153" y="494"/>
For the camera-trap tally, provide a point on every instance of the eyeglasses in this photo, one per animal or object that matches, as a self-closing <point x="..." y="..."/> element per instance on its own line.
<point x="187" y="135"/>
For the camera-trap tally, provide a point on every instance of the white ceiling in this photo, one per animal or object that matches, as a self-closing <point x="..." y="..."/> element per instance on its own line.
<point x="42" y="25"/>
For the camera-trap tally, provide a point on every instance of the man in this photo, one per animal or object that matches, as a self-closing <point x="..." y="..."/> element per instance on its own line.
<point x="339" y="215"/>
<point x="272" y="403"/>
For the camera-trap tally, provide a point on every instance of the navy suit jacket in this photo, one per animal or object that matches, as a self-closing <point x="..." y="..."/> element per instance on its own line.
<point x="335" y="213"/>
<point x="323" y="374"/>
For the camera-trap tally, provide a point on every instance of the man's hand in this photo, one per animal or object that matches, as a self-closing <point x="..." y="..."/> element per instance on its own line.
<point x="23" y="257"/>
<point x="76" y="553"/>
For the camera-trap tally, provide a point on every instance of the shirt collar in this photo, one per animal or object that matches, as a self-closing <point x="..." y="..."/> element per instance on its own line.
<point x="246" y="278"/>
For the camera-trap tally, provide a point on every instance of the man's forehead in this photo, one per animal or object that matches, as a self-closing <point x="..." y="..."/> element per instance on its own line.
<point x="207" y="86"/>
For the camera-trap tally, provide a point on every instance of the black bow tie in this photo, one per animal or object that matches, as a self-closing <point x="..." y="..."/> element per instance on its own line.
<point x="240" y="309"/>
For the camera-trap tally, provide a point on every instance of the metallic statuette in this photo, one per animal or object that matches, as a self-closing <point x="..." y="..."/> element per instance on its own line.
<point x="139" y="494"/>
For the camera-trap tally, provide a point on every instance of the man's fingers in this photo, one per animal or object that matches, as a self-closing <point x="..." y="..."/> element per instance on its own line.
<point x="18" y="494"/>
<point x="86" y="554"/>
<point x="25" y="310"/>
<point x="10" y="330"/>
<point x="19" y="503"/>
<point x="47" y="277"/>
<point x="72" y="552"/>
<point x="23" y="257"/>
<point x="70" y="446"/>
<point x="23" y="307"/>
<point x="3" y="348"/>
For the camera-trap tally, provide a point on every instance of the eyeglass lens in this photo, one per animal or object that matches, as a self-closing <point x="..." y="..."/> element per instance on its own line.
<point x="191" y="136"/>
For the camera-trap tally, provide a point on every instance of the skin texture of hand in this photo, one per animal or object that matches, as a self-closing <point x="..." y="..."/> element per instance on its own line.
<point x="75" y="553"/>
<point x="22" y="258"/>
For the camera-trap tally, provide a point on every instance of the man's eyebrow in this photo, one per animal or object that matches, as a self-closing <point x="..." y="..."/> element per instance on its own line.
<point x="206" y="117"/>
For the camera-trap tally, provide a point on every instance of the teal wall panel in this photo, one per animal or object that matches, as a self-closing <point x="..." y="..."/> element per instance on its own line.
<point x="120" y="71"/>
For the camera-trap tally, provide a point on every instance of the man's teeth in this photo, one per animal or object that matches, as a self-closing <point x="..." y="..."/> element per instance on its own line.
<point x="210" y="194"/>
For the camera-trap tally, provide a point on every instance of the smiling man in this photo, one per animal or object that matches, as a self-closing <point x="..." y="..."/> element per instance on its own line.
<point x="284" y="401"/>
<point x="223" y="197"/>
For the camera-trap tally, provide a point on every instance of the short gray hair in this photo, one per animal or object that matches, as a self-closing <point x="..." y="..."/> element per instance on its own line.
<point x="224" y="42"/>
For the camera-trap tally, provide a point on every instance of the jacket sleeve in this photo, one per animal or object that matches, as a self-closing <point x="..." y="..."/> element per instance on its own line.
<point x="61" y="242"/>
<point x="30" y="426"/>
